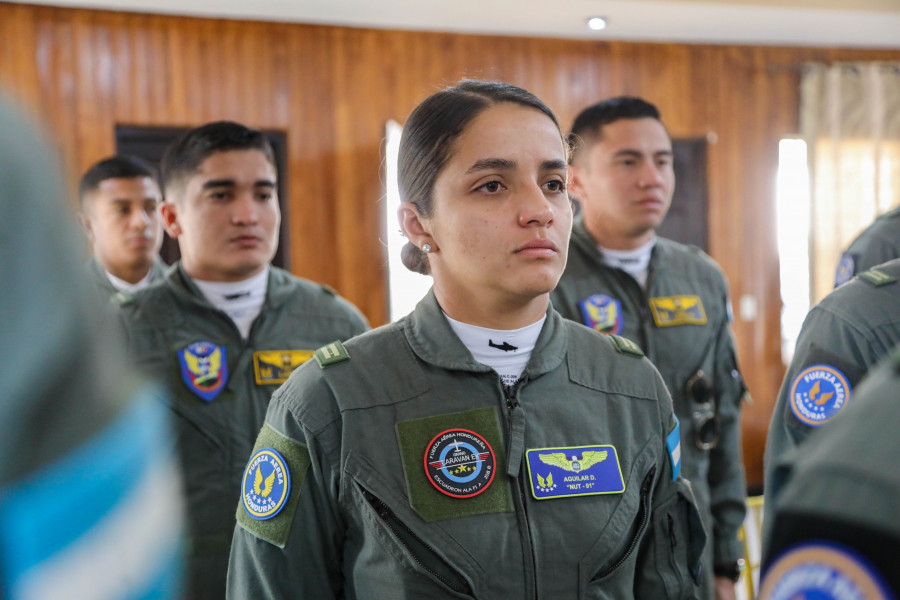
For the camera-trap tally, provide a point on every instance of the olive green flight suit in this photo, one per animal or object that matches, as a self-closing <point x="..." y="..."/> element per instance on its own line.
<point x="843" y="336"/>
<point x="216" y="433"/>
<point x="368" y="434"/>
<point x="105" y="287"/>
<point x="836" y="522"/>
<point x="878" y="243"/>
<point x="682" y="323"/>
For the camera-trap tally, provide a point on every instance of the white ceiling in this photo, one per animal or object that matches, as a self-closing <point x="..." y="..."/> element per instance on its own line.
<point x="829" y="23"/>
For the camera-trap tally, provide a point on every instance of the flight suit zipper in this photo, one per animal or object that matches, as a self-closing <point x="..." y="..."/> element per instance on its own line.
<point x="512" y="403"/>
<point x="642" y="520"/>
<point x="407" y="538"/>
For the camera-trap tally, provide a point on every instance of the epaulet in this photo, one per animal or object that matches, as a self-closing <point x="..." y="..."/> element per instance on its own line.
<point x="330" y="354"/>
<point x="122" y="298"/>
<point x="877" y="278"/>
<point x="626" y="346"/>
<point x="328" y="289"/>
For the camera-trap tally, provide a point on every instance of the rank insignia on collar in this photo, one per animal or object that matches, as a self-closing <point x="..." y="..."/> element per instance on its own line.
<point x="602" y="313"/>
<point x="273" y="367"/>
<point x="818" y="393"/>
<point x="460" y="463"/>
<point x="669" y="311"/>
<point x="204" y="369"/>
<point x="266" y="484"/>
<point x="574" y="471"/>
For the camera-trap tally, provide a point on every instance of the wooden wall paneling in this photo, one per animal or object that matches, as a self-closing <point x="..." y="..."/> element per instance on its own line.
<point x="332" y="89"/>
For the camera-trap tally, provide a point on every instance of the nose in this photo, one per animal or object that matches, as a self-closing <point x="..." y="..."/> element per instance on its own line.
<point x="535" y="209"/>
<point x="140" y="219"/>
<point x="651" y="175"/>
<point x="245" y="210"/>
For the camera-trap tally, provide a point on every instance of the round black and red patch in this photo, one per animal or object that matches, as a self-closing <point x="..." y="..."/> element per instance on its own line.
<point x="460" y="463"/>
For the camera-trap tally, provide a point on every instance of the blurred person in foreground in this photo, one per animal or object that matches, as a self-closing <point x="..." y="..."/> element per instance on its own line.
<point x="90" y="505"/>
<point x="836" y="524"/>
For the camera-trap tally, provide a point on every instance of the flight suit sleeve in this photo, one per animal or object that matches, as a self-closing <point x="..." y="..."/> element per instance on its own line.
<point x="671" y="550"/>
<point x="826" y="338"/>
<point x="727" y="482"/>
<point x="296" y="553"/>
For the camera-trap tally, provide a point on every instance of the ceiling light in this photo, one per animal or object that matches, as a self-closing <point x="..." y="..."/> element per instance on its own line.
<point x="597" y="23"/>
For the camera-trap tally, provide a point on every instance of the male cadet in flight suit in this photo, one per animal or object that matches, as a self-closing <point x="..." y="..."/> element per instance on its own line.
<point x="878" y="243"/>
<point x="90" y="505"/>
<point x="671" y="299"/>
<point x="119" y="199"/>
<point x="843" y="336"/>
<point x="224" y="328"/>
<point x="836" y="523"/>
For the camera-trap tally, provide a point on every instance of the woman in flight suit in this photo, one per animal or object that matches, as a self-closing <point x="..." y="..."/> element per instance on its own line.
<point x="482" y="446"/>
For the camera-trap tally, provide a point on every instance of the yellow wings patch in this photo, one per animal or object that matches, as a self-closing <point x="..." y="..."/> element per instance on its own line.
<point x="677" y="310"/>
<point x="588" y="459"/>
<point x="263" y="488"/>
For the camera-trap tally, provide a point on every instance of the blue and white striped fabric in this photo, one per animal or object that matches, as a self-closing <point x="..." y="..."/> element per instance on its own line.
<point x="102" y="523"/>
<point x="673" y="445"/>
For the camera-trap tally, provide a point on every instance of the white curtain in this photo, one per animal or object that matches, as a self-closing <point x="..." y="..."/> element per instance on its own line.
<point x="850" y="119"/>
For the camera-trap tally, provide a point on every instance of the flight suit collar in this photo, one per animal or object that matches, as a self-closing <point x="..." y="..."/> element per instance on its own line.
<point x="277" y="290"/>
<point x="585" y="242"/>
<point x="432" y="339"/>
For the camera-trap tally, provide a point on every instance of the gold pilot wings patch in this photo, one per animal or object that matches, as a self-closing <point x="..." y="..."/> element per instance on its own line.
<point x="273" y="367"/>
<point x="677" y="310"/>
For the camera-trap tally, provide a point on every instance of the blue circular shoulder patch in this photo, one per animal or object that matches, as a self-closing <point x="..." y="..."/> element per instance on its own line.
<point x="823" y="571"/>
<point x="818" y="393"/>
<point x="266" y="484"/>
<point x="845" y="269"/>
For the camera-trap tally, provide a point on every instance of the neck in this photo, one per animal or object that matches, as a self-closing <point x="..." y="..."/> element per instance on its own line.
<point x="131" y="274"/>
<point x="616" y="240"/>
<point x="494" y="315"/>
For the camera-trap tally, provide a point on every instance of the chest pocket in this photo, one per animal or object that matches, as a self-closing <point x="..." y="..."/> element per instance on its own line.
<point x="608" y="569"/>
<point x="396" y="541"/>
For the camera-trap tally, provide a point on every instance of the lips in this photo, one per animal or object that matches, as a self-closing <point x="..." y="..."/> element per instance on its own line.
<point x="538" y="247"/>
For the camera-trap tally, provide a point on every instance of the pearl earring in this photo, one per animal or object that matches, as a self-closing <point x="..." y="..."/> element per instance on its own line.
<point x="426" y="248"/>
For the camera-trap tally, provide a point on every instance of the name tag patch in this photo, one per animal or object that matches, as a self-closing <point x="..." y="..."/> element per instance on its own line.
<point x="460" y="463"/>
<point x="273" y="367"/>
<point x="818" y="393"/>
<point x="574" y="471"/>
<point x="602" y="313"/>
<point x="669" y="311"/>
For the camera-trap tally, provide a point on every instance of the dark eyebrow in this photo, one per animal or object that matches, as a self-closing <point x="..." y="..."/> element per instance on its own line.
<point x="485" y="164"/>
<point x="553" y="165"/>
<point x="635" y="154"/>
<point x="214" y="183"/>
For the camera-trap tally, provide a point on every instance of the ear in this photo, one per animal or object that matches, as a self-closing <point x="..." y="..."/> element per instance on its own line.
<point x="85" y="221"/>
<point x="169" y="213"/>
<point x="414" y="227"/>
<point x="576" y="183"/>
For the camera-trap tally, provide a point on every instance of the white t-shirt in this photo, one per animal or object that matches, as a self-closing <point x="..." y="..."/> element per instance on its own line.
<point x="505" y="351"/>
<point x="634" y="262"/>
<point x="240" y="300"/>
<point x="123" y="286"/>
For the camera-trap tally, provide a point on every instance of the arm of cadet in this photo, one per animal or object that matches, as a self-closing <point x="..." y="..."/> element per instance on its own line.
<point x="727" y="482"/>
<point x="676" y="529"/>
<point x="298" y="552"/>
